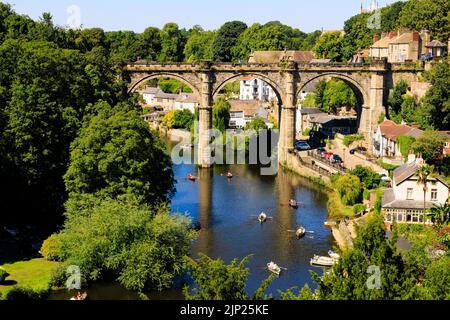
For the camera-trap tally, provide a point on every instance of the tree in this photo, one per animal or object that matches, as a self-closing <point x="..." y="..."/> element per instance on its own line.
<point x="227" y="37"/>
<point x="350" y="278"/>
<point x="369" y="178"/>
<point x="329" y="46"/>
<point x="349" y="189"/>
<point x="216" y="281"/>
<point x="221" y="114"/>
<point x="172" y="43"/>
<point x="429" y="146"/>
<point x="143" y="247"/>
<point x="424" y="174"/>
<point x="270" y="36"/>
<point x="199" y="45"/>
<point x="432" y="15"/>
<point x="440" y="214"/>
<point x="151" y="43"/>
<point x="395" y="100"/>
<point x="257" y="124"/>
<point x="116" y="154"/>
<point x="436" y="102"/>
<point x="405" y="143"/>
<point x="437" y="277"/>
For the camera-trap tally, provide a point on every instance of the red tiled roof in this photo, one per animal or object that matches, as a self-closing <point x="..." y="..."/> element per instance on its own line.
<point x="392" y="131"/>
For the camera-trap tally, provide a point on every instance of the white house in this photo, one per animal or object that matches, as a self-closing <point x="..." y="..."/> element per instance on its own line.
<point x="187" y="101"/>
<point x="385" y="138"/>
<point x="149" y="93"/>
<point x="255" y="89"/>
<point x="403" y="203"/>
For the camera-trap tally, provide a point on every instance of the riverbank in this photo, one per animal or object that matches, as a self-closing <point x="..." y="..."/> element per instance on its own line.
<point x="341" y="234"/>
<point x="33" y="274"/>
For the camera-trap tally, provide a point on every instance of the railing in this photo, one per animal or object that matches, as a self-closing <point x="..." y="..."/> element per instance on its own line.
<point x="326" y="162"/>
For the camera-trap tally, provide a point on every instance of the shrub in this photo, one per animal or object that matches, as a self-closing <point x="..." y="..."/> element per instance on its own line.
<point x="26" y="294"/>
<point x="358" y="208"/>
<point x="307" y="132"/>
<point x="51" y="248"/>
<point x="349" y="140"/>
<point x="3" y="275"/>
<point x="366" y="194"/>
<point x="349" y="189"/>
<point x="369" y="178"/>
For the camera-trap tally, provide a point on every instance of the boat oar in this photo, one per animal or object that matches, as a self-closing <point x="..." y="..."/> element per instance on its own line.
<point x="310" y="232"/>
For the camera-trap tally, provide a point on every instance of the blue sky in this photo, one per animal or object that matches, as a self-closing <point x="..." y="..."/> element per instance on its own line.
<point x="136" y="15"/>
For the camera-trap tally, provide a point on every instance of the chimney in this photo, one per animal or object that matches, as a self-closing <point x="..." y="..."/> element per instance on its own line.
<point x="384" y="35"/>
<point x="426" y="37"/>
<point x="376" y="37"/>
<point x="416" y="36"/>
<point x="392" y="35"/>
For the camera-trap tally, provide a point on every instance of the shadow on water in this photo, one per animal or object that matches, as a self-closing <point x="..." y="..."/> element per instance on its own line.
<point x="227" y="211"/>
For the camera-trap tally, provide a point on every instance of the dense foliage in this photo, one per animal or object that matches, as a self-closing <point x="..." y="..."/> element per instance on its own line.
<point x="116" y="154"/>
<point x="142" y="247"/>
<point x="349" y="189"/>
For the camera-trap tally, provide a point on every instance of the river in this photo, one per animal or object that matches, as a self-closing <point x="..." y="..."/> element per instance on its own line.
<point x="228" y="209"/>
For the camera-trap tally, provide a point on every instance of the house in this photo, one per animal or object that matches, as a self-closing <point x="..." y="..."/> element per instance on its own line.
<point x="148" y="93"/>
<point x="187" y="101"/>
<point x="305" y="117"/>
<point x="165" y="100"/>
<point x="331" y="124"/>
<point x="385" y="139"/>
<point x="269" y="57"/>
<point x="244" y="111"/>
<point x="255" y="89"/>
<point x="446" y="135"/>
<point x="404" y="202"/>
<point x="404" y="45"/>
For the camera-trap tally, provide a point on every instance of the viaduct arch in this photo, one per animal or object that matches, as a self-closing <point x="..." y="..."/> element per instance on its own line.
<point x="369" y="82"/>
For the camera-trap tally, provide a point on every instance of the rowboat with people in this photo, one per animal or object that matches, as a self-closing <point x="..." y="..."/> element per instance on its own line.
<point x="274" y="268"/>
<point x="330" y="224"/>
<point x="262" y="217"/>
<point x="191" y="177"/>
<point x="301" y="232"/>
<point x="229" y="175"/>
<point x="79" y="297"/>
<point x="293" y="203"/>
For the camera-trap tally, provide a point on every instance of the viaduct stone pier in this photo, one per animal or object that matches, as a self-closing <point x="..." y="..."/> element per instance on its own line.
<point x="371" y="84"/>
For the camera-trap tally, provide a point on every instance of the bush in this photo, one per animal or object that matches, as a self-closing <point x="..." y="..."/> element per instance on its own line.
<point x="349" y="140"/>
<point x="51" y="248"/>
<point x="349" y="189"/>
<point x="3" y="275"/>
<point x="366" y="194"/>
<point x="369" y="178"/>
<point x="307" y="132"/>
<point x="26" y="294"/>
<point x="358" y="208"/>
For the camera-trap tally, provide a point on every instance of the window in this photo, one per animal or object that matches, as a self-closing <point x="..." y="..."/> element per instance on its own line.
<point x="409" y="194"/>
<point x="434" y="194"/>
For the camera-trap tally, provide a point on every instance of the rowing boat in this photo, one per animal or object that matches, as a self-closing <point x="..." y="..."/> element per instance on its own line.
<point x="334" y="255"/>
<point x="274" y="268"/>
<point x="300" y="233"/>
<point x="262" y="217"/>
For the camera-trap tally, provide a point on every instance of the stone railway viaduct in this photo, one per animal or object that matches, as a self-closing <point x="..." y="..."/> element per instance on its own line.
<point x="370" y="82"/>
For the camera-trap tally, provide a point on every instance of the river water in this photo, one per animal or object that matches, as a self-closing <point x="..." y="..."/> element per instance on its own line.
<point x="228" y="209"/>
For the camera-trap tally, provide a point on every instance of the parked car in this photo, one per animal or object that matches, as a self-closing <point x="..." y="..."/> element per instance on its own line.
<point x="321" y="151"/>
<point x="327" y="155"/>
<point x="384" y="177"/>
<point x="358" y="149"/>
<point x="427" y="57"/>
<point x="302" y="145"/>
<point x="335" y="158"/>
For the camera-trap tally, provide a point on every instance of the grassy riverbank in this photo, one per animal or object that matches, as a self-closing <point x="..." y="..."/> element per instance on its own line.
<point x="32" y="274"/>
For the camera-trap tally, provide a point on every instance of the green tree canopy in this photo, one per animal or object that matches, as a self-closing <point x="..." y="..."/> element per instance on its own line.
<point x="429" y="146"/>
<point x="349" y="189"/>
<point x="329" y="46"/>
<point x="116" y="154"/>
<point x="199" y="45"/>
<point x="172" y="43"/>
<point x="227" y="38"/>
<point x="143" y="247"/>
<point x="221" y="114"/>
<point x="432" y="15"/>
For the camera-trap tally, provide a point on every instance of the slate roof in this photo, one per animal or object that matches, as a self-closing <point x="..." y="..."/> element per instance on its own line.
<point x="390" y="202"/>
<point x="187" y="98"/>
<point x="436" y="44"/>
